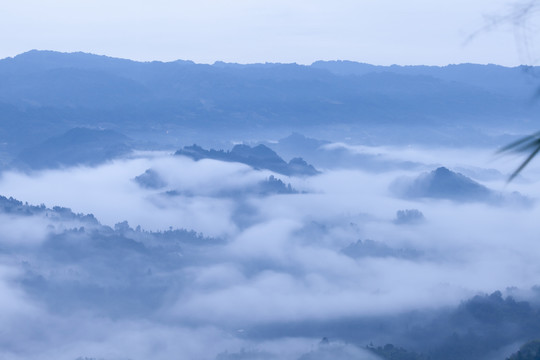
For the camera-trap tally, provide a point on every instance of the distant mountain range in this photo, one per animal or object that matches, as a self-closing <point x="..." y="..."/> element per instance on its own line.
<point x="518" y="82"/>
<point x="45" y="93"/>
<point x="328" y="155"/>
<point x="79" y="146"/>
<point x="86" y="146"/>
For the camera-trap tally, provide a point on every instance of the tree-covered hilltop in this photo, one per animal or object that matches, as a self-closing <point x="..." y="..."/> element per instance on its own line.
<point x="443" y="183"/>
<point x="13" y="206"/>
<point x="479" y="328"/>
<point x="485" y="326"/>
<point x="258" y="157"/>
<point x="116" y="271"/>
<point x="529" y="351"/>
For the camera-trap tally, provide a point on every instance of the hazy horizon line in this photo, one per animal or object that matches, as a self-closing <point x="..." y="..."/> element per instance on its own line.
<point x="216" y="62"/>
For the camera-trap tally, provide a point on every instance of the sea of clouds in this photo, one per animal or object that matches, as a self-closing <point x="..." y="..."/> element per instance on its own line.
<point x="280" y="259"/>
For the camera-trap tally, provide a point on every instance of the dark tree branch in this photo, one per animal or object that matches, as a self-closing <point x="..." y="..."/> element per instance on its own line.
<point x="527" y="144"/>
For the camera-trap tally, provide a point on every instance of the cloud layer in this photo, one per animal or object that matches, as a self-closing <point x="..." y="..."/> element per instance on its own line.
<point x="276" y="259"/>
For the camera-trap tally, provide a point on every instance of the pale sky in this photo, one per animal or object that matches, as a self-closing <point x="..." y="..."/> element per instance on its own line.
<point x="382" y="32"/>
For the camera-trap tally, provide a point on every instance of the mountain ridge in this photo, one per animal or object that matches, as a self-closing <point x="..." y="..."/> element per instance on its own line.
<point x="258" y="157"/>
<point x="46" y="93"/>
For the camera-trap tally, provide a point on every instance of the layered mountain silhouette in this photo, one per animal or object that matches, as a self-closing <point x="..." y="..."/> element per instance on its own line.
<point x="328" y="155"/>
<point x="443" y="183"/>
<point x="297" y="143"/>
<point x="258" y="157"/>
<point x="79" y="146"/>
<point x="44" y="93"/>
<point x="518" y="81"/>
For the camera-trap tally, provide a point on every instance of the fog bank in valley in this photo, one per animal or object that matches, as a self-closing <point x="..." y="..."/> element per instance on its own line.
<point x="264" y="274"/>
